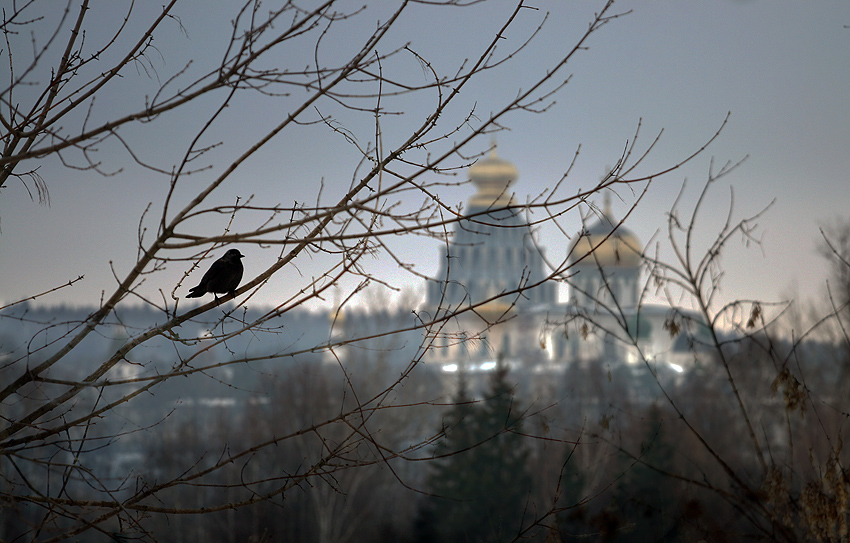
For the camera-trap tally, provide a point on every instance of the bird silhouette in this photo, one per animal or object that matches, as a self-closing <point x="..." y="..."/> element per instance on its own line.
<point x="223" y="276"/>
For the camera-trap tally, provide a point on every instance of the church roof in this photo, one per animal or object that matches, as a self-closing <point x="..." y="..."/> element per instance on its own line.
<point x="606" y="243"/>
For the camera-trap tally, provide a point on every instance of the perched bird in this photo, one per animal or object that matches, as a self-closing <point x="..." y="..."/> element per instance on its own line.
<point x="223" y="276"/>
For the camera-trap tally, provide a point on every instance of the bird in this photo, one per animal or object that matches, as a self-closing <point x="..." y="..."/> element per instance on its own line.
<point x="223" y="276"/>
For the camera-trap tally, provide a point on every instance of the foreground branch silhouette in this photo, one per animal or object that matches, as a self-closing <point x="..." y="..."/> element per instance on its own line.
<point x="63" y="411"/>
<point x="759" y="416"/>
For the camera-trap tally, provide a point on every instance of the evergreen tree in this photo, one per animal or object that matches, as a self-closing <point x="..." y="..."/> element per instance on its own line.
<point x="451" y="476"/>
<point x="479" y="491"/>
<point x="649" y="499"/>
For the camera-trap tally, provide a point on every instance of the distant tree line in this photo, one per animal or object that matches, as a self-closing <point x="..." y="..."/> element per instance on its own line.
<point x="498" y="466"/>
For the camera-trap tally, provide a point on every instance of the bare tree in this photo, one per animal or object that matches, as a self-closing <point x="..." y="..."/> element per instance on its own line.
<point x="759" y="415"/>
<point x="55" y="420"/>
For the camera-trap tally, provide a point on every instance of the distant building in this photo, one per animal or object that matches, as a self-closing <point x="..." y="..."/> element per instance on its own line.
<point x="492" y="271"/>
<point x="493" y="262"/>
<point x="493" y="249"/>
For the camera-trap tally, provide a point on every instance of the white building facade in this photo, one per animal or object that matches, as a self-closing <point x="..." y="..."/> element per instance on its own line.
<point x="493" y="278"/>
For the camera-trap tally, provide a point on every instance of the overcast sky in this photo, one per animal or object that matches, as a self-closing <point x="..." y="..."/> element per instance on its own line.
<point x="782" y="68"/>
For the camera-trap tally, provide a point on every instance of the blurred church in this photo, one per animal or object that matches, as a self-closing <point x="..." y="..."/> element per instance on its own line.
<point x="506" y="301"/>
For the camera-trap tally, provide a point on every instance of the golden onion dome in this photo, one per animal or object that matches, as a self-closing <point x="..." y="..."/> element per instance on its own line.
<point x="493" y="177"/>
<point x="605" y="244"/>
<point x="495" y="310"/>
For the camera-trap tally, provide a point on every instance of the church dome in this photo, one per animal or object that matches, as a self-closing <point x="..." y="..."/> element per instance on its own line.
<point x="493" y="177"/>
<point x="610" y="245"/>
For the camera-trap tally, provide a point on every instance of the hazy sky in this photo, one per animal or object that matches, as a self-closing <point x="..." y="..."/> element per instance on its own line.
<point x="782" y="68"/>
